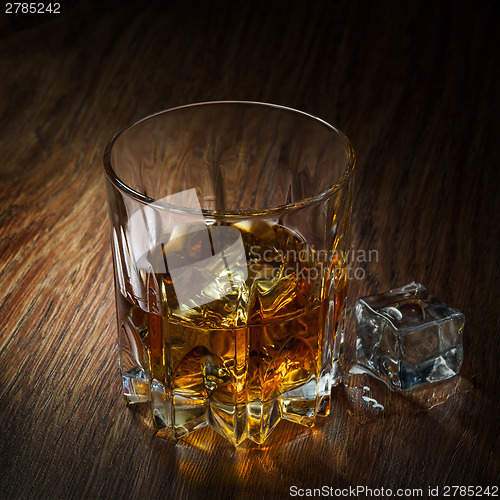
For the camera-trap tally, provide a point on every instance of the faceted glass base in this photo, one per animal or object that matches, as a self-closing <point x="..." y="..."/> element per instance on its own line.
<point x="253" y="421"/>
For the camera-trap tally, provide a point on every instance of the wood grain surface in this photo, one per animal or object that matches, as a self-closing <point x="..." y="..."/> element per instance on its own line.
<point x="414" y="85"/>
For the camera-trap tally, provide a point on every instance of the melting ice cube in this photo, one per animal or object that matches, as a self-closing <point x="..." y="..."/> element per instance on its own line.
<point x="408" y="337"/>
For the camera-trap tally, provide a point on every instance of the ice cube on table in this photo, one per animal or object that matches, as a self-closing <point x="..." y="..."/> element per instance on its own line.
<point x="408" y="337"/>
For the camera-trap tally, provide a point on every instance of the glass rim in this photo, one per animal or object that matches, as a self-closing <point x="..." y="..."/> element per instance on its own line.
<point x="328" y="191"/>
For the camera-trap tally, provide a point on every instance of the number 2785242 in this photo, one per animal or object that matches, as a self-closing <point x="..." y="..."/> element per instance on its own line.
<point x="32" y="8"/>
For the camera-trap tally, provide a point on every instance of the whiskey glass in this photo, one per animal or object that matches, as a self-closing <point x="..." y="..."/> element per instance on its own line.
<point x="230" y="236"/>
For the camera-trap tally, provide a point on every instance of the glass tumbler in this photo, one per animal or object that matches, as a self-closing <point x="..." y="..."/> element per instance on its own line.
<point x="230" y="237"/>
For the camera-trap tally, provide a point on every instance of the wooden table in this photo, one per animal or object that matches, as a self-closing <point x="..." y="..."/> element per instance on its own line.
<point x="414" y="86"/>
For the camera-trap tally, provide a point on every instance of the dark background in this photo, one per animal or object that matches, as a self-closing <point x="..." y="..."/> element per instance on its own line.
<point x="413" y="84"/>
